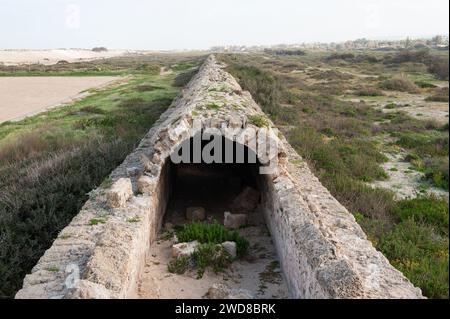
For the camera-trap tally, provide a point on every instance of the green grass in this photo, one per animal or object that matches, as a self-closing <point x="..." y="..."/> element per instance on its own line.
<point x="258" y="120"/>
<point x="97" y="221"/>
<point x="135" y="219"/>
<point x="214" y="233"/>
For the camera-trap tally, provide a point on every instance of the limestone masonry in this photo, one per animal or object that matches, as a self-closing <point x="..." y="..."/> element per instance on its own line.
<point x="323" y="251"/>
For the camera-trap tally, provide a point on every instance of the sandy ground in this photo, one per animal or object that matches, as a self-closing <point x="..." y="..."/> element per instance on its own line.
<point x="258" y="275"/>
<point x="416" y="106"/>
<point x="405" y="182"/>
<point x="14" y="57"/>
<point x="412" y="104"/>
<point x="25" y="96"/>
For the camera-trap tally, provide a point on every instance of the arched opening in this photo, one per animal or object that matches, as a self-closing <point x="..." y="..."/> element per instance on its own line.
<point x="216" y="186"/>
<point x="212" y="189"/>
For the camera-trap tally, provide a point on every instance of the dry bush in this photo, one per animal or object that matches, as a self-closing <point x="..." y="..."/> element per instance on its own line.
<point x="439" y="95"/>
<point x="400" y="83"/>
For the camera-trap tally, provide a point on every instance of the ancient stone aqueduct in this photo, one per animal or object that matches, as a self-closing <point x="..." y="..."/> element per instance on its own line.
<point x="322" y="250"/>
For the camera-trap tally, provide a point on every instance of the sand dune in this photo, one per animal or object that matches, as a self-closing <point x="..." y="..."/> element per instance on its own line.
<point x="14" y="57"/>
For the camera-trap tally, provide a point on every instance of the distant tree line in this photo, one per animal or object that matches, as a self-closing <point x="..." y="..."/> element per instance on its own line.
<point x="99" y="49"/>
<point x="284" y="52"/>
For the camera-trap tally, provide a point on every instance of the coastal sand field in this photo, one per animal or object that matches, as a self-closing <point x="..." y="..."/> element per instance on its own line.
<point x="52" y="56"/>
<point x="24" y="96"/>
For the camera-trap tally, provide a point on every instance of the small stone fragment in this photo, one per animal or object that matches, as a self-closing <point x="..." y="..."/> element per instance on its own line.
<point x="184" y="249"/>
<point x="230" y="248"/>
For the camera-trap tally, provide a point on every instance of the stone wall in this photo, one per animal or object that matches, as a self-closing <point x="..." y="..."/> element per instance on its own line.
<point x="323" y="251"/>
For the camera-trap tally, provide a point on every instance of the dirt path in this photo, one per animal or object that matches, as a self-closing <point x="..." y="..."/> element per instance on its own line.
<point x="256" y="276"/>
<point x="25" y="96"/>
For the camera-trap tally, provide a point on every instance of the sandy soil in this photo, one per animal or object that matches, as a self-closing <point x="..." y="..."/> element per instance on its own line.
<point x="405" y="182"/>
<point x="24" y="96"/>
<point x="416" y="106"/>
<point x="412" y="104"/>
<point x="257" y="275"/>
<point x="14" y="57"/>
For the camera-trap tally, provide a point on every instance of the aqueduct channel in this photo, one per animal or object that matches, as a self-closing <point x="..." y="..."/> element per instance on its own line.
<point x="322" y="251"/>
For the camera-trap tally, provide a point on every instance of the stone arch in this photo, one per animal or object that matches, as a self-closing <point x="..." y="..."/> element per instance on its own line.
<point x="264" y="142"/>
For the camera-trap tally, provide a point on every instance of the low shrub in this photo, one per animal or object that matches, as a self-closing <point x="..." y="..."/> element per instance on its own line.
<point x="429" y="210"/>
<point x="369" y="92"/>
<point x="439" y="67"/>
<point x="425" y="85"/>
<point x="399" y="83"/>
<point x="422" y="255"/>
<point x="92" y="110"/>
<point x="437" y="171"/>
<point x="439" y="95"/>
<point x="390" y="106"/>
<point x="258" y="120"/>
<point x="40" y="196"/>
<point x="211" y="255"/>
<point x="178" y="265"/>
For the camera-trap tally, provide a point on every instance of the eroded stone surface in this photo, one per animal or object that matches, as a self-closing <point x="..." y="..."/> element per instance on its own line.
<point x="120" y="191"/>
<point x="323" y="251"/>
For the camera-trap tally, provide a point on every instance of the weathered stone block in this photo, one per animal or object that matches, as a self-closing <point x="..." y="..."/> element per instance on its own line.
<point x="146" y="184"/>
<point x="230" y="247"/>
<point x="119" y="193"/>
<point x="234" y="221"/>
<point x="133" y="171"/>
<point x="88" y="290"/>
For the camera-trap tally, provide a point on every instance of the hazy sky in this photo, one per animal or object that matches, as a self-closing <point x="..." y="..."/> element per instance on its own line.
<point x="198" y="24"/>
